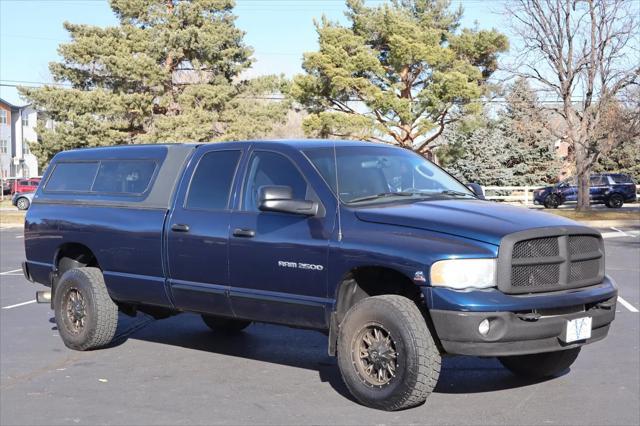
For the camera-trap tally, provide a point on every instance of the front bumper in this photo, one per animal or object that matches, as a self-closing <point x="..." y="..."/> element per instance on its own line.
<point x="535" y="325"/>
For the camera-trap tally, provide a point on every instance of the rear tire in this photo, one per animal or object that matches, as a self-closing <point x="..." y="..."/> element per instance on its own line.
<point x="387" y="357"/>
<point x="615" y="201"/>
<point x="540" y="366"/>
<point x="225" y="325"/>
<point x="86" y="316"/>
<point x="552" y="201"/>
<point x="22" y="203"/>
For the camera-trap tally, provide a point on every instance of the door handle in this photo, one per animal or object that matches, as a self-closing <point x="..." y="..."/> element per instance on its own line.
<point x="244" y="233"/>
<point x="178" y="227"/>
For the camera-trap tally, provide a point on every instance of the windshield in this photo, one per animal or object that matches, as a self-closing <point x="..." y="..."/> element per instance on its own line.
<point x="378" y="172"/>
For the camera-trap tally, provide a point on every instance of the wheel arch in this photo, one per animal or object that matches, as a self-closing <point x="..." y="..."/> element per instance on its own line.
<point x="70" y="255"/>
<point x="366" y="281"/>
<point x="73" y="255"/>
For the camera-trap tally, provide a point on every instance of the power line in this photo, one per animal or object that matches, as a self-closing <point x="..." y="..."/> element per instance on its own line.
<point x="36" y="84"/>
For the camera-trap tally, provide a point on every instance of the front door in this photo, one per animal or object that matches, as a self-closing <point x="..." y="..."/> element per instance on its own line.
<point x="198" y="234"/>
<point x="278" y="261"/>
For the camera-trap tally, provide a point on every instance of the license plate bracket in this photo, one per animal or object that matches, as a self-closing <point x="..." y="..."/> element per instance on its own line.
<point x="577" y="329"/>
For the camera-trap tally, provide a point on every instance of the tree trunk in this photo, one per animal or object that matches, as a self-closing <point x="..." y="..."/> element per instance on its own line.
<point x="583" y="170"/>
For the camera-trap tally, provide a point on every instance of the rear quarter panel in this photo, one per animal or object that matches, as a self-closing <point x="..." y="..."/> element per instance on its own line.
<point x="127" y="243"/>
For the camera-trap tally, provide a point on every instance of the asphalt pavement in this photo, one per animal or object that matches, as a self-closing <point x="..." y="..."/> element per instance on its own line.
<point x="176" y="371"/>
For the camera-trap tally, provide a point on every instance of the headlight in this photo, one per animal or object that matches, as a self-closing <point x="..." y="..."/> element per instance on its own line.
<point x="464" y="273"/>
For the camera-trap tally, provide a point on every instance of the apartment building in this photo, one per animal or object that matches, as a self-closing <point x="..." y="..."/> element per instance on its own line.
<point x="17" y="132"/>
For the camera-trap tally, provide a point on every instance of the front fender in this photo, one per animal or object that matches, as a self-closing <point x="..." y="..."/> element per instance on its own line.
<point x="406" y="250"/>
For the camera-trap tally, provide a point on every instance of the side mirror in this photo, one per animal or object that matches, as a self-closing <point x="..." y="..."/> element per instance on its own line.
<point x="476" y="189"/>
<point x="280" y="199"/>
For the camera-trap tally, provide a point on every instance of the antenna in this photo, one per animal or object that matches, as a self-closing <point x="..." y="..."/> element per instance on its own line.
<point x="335" y="164"/>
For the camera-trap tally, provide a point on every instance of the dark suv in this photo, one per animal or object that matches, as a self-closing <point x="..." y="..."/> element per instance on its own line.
<point x="612" y="189"/>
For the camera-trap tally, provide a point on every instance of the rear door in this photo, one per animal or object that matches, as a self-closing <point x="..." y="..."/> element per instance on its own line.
<point x="569" y="190"/>
<point x="23" y="186"/>
<point x="598" y="187"/>
<point x="198" y="233"/>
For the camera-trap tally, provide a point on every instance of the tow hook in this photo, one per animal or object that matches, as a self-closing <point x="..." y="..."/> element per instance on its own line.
<point x="607" y="304"/>
<point x="529" y="316"/>
<point x="43" y="296"/>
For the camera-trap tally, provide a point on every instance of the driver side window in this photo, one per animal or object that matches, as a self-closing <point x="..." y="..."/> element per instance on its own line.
<point x="268" y="169"/>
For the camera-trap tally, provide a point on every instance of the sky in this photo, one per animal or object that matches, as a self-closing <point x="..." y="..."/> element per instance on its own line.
<point x="279" y="31"/>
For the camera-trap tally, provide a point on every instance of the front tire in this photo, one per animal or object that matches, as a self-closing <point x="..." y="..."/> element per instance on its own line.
<point x="552" y="201"/>
<point x="225" y="325"/>
<point x="540" y="366"/>
<point x="22" y="203"/>
<point x="386" y="355"/>
<point x="85" y="314"/>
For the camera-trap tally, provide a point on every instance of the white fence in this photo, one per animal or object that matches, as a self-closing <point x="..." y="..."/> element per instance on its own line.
<point x="519" y="194"/>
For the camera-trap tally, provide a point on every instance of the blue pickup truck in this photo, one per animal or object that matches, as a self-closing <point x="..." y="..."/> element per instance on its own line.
<point x="394" y="259"/>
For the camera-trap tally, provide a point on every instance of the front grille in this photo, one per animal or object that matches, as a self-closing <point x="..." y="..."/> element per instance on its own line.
<point x="582" y="244"/>
<point x="539" y="247"/>
<point x="583" y="270"/>
<point x="550" y="259"/>
<point x="535" y="276"/>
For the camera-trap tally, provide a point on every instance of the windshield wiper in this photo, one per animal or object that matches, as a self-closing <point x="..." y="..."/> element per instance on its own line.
<point x="457" y="193"/>
<point x="382" y="195"/>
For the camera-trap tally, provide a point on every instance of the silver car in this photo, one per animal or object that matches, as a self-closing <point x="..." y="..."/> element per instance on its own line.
<point x="22" y="200"/>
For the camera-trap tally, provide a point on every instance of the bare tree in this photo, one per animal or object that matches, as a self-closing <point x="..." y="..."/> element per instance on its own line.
<point x="584" y="53"/>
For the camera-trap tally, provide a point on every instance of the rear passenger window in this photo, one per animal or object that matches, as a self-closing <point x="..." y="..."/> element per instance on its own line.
<point x="211" y="183"/>
<point x="72" y="177"/>
<point x="124" y="177"/>
<point x="597" y="181"/>
<point x="621" y="178"/>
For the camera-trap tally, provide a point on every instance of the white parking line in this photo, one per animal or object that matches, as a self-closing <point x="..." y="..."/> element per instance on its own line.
<point x="618" y="234"/>
<point x="10" y="272"/>
<point x="19" y="304"/>
<point x="627" y="305"/>
<point x="621" y="231"/>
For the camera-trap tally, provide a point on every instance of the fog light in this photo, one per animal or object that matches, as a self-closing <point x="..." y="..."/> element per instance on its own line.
<point x="484" y="326"/>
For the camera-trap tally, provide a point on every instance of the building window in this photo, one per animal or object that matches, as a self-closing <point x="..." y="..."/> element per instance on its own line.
<point x="3" y="116"/>
<point x="25" y="148"/>
<point x="25" y="121"/>
<point x="4" y="146"/>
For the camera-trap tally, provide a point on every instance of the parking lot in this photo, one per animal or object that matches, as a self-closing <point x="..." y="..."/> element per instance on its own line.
<point x="177" y="371"/>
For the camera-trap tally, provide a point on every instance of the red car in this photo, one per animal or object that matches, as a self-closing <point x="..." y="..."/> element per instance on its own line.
<point x="13" y="186"/>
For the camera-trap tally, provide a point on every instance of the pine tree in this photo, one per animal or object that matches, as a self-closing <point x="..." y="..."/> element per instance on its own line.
<point x="532" y="156"/>
<point x="168" y="72"/>
<point x="399" y="73"/>
<point x="514" y="148"/>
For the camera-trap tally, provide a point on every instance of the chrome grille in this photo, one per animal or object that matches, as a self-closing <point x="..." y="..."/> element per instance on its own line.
<point x="549" y="260"/>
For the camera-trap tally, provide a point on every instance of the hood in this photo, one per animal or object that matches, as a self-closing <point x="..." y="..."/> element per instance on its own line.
<point x="475" y="219"/>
